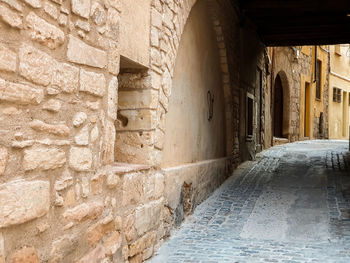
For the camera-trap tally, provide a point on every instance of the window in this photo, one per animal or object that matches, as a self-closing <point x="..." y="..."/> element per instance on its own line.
<point x="250" y="118"/>
<point x="318" y="79"/>
<point x="336" y="95"/>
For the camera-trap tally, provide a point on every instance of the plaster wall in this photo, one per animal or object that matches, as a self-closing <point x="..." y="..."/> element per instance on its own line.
<point x="190" y="137"/>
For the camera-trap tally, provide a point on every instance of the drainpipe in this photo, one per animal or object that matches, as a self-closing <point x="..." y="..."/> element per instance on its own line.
<point x="315" y="76"/>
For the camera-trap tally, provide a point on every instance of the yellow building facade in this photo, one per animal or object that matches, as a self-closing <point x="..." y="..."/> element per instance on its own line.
<point x="313" y="95"/>
<point x="339" y="88"/>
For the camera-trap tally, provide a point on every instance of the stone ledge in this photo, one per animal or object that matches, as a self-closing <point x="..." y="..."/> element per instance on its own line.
<point x="122" y="168"/>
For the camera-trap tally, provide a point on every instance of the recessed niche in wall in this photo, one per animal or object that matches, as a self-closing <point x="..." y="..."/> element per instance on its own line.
<point x="135" y="112"/>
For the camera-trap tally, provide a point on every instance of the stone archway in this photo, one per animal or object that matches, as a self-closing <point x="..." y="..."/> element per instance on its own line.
<point x="281" y="106"/>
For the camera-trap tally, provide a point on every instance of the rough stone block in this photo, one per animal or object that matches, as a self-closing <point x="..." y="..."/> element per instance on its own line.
<point x="56" y="129"/>
<point x="82" y="138"/>
<point x="81" y="7"/>
<point x="10" y="17"/>
<point x="44" y="32"/>
<point x="148" y="216"/>
<point x="81" y="53"/>
<point x="132" y="189"/>
<point x="97" y="231"/>
<point x="138" y="99"/>
<point x="21" y="201"/>
<point x="65" y="77"/>
<point x="14" y="4"/>
<point x="34" y="3"/>
<point x="36" y="65"/>
<point x="134" y="147"/>
<point x="92" y="83"/>
<point x="19" y="93"/>
<point x="44" y="158"/>
<point x="79" y="119"/>
<point x="3" y="159"/>
<point x="62" y="247"/>
<point x="52" y="105"/>
<point x="112" y="98"/>
<point x="7" y="59"/>
<point x="113" y="243"/>
<point x="80" y="159"/>
<point x="142" y="243"/>
<point x="137" y="120"/>
<point x="109" y="136"/>
<point x="85" y="211"/>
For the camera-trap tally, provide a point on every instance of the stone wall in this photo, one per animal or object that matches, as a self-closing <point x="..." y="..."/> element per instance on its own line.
<point x="83" y="126"/>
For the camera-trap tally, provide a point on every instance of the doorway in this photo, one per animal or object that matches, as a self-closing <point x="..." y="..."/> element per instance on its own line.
<point x="278" y="109"/>
<point x="307" y="110"/>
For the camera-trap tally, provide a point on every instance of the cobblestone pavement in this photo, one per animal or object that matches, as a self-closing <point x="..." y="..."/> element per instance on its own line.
<point x="290" y="205"/>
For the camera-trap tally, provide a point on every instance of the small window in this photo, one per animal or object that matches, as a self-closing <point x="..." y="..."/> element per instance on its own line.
<point x="336" y="95"/>
<point x="318" y="79"/>
<point x="250" y="118"/>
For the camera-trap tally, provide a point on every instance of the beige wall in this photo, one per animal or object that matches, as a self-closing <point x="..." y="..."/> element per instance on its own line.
<point x="339" y="78"/>
<point x="190" y="137"/>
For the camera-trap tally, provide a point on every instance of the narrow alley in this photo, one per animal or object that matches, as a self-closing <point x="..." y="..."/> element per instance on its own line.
<point x="290" y="205"/>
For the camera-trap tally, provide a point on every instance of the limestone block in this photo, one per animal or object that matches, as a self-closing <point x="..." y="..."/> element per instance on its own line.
<point x="109" y="136"/>
<point x="36" y="65"/>
<point x="56" y="129"/>
<point x="137" y="99"/>
<point x="98" y="14"/>
<point x="137" y="120"/>
<point x="79" y="119"/>
<point x="92" y="83"/>
<point x="21" y="201"/>
<point x="113" y="180"/>
<point x="64" y="181"/>
<point x="44" y="158"/>
<point x="84" y="211"/>
<point x="25" y="255"/>
<point x="52" y="105"/>
<point x="33" y="3"/>
<point x="14" y="4"/>
<point x="142" y="243"/>
<point x="80" y="159"/>
<point x="65" y="78"/>
<point x="82" y="138"/>
<point x="132" y="189"/>
<point x="97" y="231"/>
<point x="3" y="159"/>
<point x="62" y="247"/>
<point x="129" y="228"/>
<point x="96" y="255"/>
<point x="51" y="10"/>
<point x="10" y="17"/>
<point x="113" y="243"/>
<point x="81" y="7"/>
<point x="44" y="32"/>
<point x="113" y="23"/>
<point x="148" y="216"/>
<point x="134" y="147"/>
<point x="112" y="98"/>
<point x="22" y="144"/>
<point x="19" y="93"/>
<point x="81" y="53"/>
<point x="154" y="186"/>
<point x="116" y="4"/>
<point x="85" y="187"/>
<point x="7" y="59"/>
<point x="94" y="134"/>
<point x="113" y="58"/>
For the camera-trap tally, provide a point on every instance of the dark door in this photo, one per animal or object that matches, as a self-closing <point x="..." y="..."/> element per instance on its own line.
<point x="278" y="109"/>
